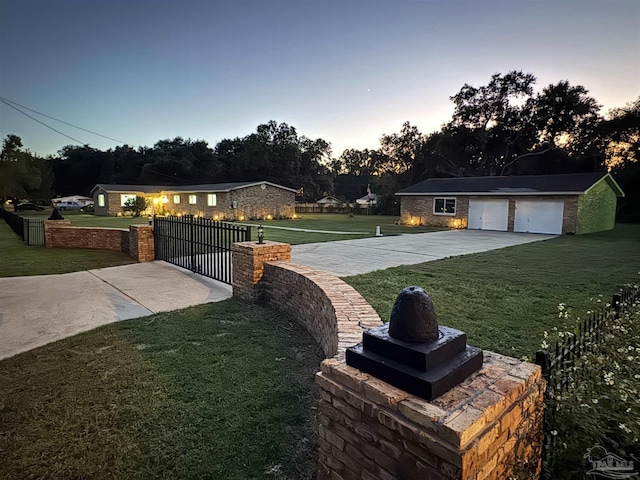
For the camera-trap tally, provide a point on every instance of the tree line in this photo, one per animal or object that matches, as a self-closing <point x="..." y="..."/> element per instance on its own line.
<point x="502" y="128"/>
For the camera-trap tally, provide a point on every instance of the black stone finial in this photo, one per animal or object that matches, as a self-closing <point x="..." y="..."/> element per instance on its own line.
<point x="413" y="318"/>
<point x="413" y="352"/>
<point x="55" y="215"/>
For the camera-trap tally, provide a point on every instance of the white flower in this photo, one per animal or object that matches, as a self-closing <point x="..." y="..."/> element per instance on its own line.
<point x="555" y="432"/>
<point x="624" y="397"/>
<point x="594" y="400"/>
<point x="608" y="378"/>
<point x="622" y="427"/>
<point x="544" y="345"/>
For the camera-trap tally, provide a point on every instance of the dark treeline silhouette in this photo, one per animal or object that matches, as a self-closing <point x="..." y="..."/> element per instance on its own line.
<point x="501" y="128"/>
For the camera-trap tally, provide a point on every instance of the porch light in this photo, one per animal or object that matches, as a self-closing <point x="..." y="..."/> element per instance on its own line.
<point x="260" y="234"/>
<point x="269" y="217"/>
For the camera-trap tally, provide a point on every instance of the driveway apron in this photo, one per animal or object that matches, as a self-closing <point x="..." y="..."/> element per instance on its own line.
<point x="41" y="309"/>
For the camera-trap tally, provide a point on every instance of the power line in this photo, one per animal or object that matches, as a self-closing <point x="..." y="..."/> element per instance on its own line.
<point x="62" y="121"/>
<point x="41" y="123"/>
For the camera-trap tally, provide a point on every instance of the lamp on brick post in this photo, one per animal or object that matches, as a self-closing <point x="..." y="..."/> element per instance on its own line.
<point x="260" y="234"/>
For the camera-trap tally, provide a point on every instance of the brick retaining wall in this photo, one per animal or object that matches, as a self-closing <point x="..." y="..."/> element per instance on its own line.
<point x="137" y="241"/>
<point x="333" y="312"/>
<point x="487" y="427"/>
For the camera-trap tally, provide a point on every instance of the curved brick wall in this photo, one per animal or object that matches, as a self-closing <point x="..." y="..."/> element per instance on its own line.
<point x="331" y="310"/>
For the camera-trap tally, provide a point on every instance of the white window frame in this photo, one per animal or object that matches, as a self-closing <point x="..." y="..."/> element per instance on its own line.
<point x="444" y="206"/>
<point x="125" y="197"/>
<point x="176" y="199"/>
<point x="101" y="202"/>
<point x="212" y="199"/>
<point x="193" y="199"/>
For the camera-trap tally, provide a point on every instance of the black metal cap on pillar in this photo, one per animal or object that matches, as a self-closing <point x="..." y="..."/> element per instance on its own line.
<point x="413" y="352"/>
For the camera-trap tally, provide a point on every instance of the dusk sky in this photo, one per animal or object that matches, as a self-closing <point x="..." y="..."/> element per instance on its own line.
<point x="347" y="71"/>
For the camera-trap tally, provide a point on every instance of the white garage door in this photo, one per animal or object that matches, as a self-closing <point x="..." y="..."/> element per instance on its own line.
<point x="488" y="215"/>
<point x="539" y="216"/>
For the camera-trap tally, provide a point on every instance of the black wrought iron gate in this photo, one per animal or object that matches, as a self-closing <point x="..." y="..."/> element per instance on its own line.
<point x="198" y="244"/>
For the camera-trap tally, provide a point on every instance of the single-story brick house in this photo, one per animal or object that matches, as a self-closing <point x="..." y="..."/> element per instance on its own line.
<point x="221" y="201"/>
<point x="554" y="204"/>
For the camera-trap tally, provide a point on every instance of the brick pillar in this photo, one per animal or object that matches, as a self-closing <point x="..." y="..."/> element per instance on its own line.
<point x="248" y="259"/>
<point x="488" y="427"/>
<point x="141" y="243"/>
<point x="49" y="230"/>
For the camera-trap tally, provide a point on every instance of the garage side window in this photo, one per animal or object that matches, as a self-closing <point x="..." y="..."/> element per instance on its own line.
<point x="192" y="200"/>
<point x="211" y="199"/>
<point x="444" y="206"/>
<point x="101" y="199"/>
<point x="176" y="199"/>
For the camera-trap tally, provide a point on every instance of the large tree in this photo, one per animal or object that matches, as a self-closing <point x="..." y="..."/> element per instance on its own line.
<point x="22" y="174"/>
<point x="276" y="152"/>
<point x="497" y="116"/>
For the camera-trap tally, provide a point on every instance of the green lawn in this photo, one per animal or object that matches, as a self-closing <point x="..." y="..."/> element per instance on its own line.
<point x="223" y="391"/>
<point x="333" y="222"/>
<point x="505" y="299"/>
<point x="363" y="224"/>
<point x="17" y="259"/>
<point x="79" y="219"/>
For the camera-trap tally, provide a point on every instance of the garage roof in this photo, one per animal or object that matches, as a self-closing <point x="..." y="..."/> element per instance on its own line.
<point x="565" y="184"/>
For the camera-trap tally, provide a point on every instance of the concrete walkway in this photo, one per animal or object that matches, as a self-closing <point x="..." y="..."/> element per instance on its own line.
<point x="353" y="257"/>
<point x="38" y="310"/>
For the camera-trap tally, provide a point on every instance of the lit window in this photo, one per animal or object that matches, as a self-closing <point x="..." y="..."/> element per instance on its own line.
<point x="176" y="199"/>
<point x="164" y="199"/>
<point x="192" y="199"/>
<point x="444" y="206"/>
<point x="124" y="198"/>
<point x="211" y="199"/>
<point x="101" y="199"/>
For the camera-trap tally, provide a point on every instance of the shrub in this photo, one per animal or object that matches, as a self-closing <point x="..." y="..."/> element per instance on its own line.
<point x="136" y="205"/>
<point x="600" y="407"/>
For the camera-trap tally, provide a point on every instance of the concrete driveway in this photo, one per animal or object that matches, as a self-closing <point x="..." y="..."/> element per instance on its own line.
<point x="352" y="257"/>
<point x="38" y="310"/>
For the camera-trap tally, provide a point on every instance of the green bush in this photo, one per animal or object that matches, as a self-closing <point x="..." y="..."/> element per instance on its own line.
<point x="600" y="408"/>
<point x="136" y="205"/>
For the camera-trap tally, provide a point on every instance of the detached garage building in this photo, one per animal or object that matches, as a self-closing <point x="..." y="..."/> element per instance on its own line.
<point x="553" y="204"/>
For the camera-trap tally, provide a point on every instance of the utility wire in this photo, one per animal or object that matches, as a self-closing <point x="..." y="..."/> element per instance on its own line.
<point x="5" y="100"/>
<point x="41" y="123"/>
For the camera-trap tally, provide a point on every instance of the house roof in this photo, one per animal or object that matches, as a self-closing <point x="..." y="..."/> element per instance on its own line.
<point x="366" y="200"/>
<point x="329" y="199"/>
<point x="210" y="187"/>
<point x="565" y="184"/>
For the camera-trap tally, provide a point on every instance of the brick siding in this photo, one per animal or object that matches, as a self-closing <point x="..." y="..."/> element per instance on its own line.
<point x="420" y="210"/>
<point x="251" y="203"/>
